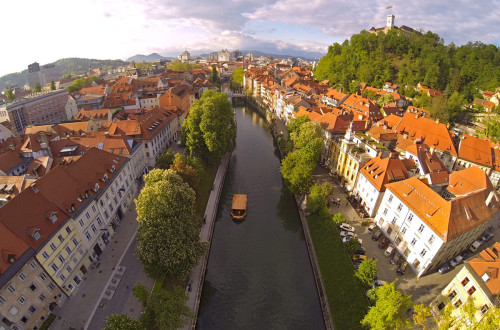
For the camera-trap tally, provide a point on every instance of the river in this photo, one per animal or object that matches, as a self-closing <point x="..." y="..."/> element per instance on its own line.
<point x="258" y="274"/>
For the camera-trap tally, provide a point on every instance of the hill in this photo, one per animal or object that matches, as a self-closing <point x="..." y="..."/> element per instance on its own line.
<point x="64" y="66"/>
<point x="147" y="58"/>
<point x="287" y="53"/>
<point x="409" y="59"/>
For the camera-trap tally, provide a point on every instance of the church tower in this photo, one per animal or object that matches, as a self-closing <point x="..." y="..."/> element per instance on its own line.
<point x="390" y="22"/>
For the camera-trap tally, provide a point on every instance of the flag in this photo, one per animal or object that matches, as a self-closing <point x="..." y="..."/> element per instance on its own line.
<point x="389" y="7"/>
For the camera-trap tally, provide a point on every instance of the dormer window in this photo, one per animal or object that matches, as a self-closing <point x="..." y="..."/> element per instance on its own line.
<point x="36" y="234"/>
<point x="96" y="188"/>
<point x="79" y="199"/>
<point x="86" y="194"/>
<point x="72" y="209"/>
<point x="112" y="169"/>
<point x="105" y="178"/>
<point x="53" y="217"/>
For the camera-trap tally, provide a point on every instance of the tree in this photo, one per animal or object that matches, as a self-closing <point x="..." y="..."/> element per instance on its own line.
<point x="165" y="160"/>
<point x="167" y="310"/>
<point x="9" y="94"/>
<point x="297" y="172"/>
<point x="295" y="123"/>
<point x="141" y="293"/>
<point x="339" y="219"/>
<point x="37" y="88"/>
<point x="390" y="309"/>
<point x="187" y="173"/>
<point x="316" y="200"/>
<point x="421" y="314"/>
<point x="210" y="130"/>
<point x="237" y="79"/>
<point x="352" y="245"/>
<point x="122" y="322"/>
<point x="385" y="99"/>
<point x="52" y="85"/>
<point x="367" y="272"/>
<point x="490" y="320"/>
<point x="167" y="239"/>
<point x="214" y="76"/>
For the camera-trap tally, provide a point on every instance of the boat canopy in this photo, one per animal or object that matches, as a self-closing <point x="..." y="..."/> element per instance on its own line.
<point x="239" y="202"/>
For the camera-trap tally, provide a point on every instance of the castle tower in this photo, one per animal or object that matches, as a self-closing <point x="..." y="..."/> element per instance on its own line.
<point x="390" y="21"/>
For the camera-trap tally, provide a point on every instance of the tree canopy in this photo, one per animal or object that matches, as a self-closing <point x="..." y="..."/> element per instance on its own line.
<point x="367" y="272"/>
<point x="52" y="85"/>
<point x="122" y="322"/>
<point x="316" y="200"/>
<point x="165" y="159"/>
<point x="168" y="241"/>
<point x="210" y="130"/>
<point x="37" y="88"/>
<point x="166" y="310"/>
<point x="390" y="309"/>
<point x="237" y="79"/>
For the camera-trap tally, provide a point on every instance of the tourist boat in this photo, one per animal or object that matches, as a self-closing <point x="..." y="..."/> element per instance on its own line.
<point x="239" y="208"/>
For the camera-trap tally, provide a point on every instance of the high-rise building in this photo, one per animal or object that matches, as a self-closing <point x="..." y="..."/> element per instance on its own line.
<point x="42" y="76"/>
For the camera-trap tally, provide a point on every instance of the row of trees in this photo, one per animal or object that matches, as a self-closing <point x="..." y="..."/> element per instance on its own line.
<point x="302" y="151"/>
<point x="82" y="82"/>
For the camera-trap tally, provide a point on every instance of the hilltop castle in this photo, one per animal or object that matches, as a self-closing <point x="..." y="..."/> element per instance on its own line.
<point x="390" y="25"/>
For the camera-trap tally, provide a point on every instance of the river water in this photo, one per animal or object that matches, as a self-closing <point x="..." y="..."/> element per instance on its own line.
<point x="258" y="274"/>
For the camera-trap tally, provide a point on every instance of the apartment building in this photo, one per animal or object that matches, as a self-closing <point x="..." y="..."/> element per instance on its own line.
<point x="429" y="228"/>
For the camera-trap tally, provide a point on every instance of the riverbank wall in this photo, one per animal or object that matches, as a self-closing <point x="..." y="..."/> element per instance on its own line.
<point x="278" y="128"/>
<point x="197" y="276"/>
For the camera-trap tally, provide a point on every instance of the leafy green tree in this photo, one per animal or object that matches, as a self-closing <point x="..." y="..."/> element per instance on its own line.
<point x="339" y="219"/>
<point x="187" y="173"/>
<point x="352" y="245"/>
<point x="52" y="85"/>
<point x="390" y="309"/>
<point x="316" y="200"/>
<point x="490" y="320"/>
<point x="37" y="88"/>
<point x="210" y="130"/>
<point x="167" y="239"/>
<point x="308" y="138"/>
<point x="297" y="172"/>
<point x="445" y="320"/>
<point x="385" y="99"/>
<point x="237" y="79"/>
<point x="122" y="322"/>
<point x="141" y="293"/>
<point x="421" y="314"/>
<point x="167" y="310"/>
<point x="295" y="123"/>
<point x="165" y="160"/>
<point x="214" y="76"/>
<point x="367" y="272"/>
<point x="9" y="94"/>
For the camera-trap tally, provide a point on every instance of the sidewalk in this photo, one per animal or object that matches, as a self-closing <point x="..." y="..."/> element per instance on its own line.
<point x="77" y="310"/>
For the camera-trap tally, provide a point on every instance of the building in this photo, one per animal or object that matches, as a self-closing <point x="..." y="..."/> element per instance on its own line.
<point x="42" y="76"/>
<point x="478" y="279"/>
<point x="185" y="56"/>
<point x="390" y="26"/>
<point x="38" y="109"/>
<point x="429" y="228"/>
<point x="224" y="56"/>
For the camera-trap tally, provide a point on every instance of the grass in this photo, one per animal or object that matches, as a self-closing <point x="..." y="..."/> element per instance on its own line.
<point x="206" y="183"/>
<point x="346" y="297"/>
<point x="48" y="321"/>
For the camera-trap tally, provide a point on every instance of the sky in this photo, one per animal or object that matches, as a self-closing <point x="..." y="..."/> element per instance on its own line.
<point x="45" y="31"/>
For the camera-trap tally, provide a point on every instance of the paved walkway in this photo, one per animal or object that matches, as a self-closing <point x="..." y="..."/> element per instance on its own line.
<point x="197" y="276"/>
<point x="107" y="288"/>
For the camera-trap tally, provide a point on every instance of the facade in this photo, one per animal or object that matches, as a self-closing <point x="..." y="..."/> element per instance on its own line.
<point x="38" y="109"/>
<point x="429" y="228"/>
<point x="42" y="76"/>
<point x="478" y="279"/>
<point x="185" y="56"/>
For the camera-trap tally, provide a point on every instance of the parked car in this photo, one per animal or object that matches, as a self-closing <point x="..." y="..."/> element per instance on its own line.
<point x="444" y="269"/>
<point x="401" y="270"/>
<point x="348" y="238"/>
<point x="376" y="235"/>
<point x="345" y="233"/>
<point x="488" y="236"/>
<point x="456" y="261"/>
<point x="360" y="250"/>
<point x="377" y="283"/>
<point x="464" y="255"/>
<point x="346" y="227"/>
<point x="474" y="246"/>
<point x="371" y="227"/>
<point x="383" y="243"/>
<point x="388" y="252"/>
<point x="358" y="257"/>
<point x="395" y="259"/>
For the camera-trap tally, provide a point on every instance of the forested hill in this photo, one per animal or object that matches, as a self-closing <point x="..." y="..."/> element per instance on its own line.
<point x="65" y="66"/>
<point x="406" y="60"/>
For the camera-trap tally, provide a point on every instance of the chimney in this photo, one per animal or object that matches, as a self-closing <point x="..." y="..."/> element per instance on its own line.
<point x="106" y="135"/>
<point x="437" y="121"/>
<point x="431" y="151"/>
<point x="416" y="116"/>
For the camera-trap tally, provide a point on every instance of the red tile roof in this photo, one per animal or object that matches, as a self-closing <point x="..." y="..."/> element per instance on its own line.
<point x="475" y="150"/>
<point x="383" y="171"/>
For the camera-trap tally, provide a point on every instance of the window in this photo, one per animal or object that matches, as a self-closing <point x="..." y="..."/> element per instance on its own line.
<point x="33" y="287"/>
<point x="68" y="230"/>
<point x="99" y="221"/>
<point x="393" y="220"/>
<point x="41" y="297"/>
<point x="107" y="196"/>
<point x="13" y="310"/>
<point x="431" y="239"/>
<point x="61" y="238"/>
<point x="53" y="246"/>
<point x="484" y="309"/>
<point x="465" y="281"/>
<point x="22" y="276"/>
<point x="36" y="235"/>
<point x="21" y="300"/>
<point x="115" y="200"/>
<point x="403" y="230"/>
<point x="11" y="288"/>
<point x="61" y="258"/>
<point x="32" y="309"/>
<point x="77" y="279"/>
<point x="471" y="290"/>
<point x="441" y="306"/>
<point x="75" y="241"/>
<point x="70" y="287"/>
<point x="413" y="241"/>
<point x="2" y="300"/>
<point x="410" y="217"/>
<point x="68" y="249"/>
<point x="43" y="276"/>
<point x="400" y="207"/>
<point x="33" y="264"/>
<point x="390" y="198"/>
<point x="51" y="286"/>
<point x="424" y="251"/>
<point x="62" y="277"/>
<point x="87" y="214"/>
<point x="106" y="214"/>
<point x="45" y="255"/>
<point x="93" y="208"/>
<point x="385" y="211"/>
<point x="389" y="230"/>
<point x="80" y="251"/>
<point x="458" y="303"/>
<point x="75" y="260"/>
<point x="94" y="229"/>
<point x="81" y="223"/>
<point x="24" y="319"/>
<point x="54" y="267"/>
<point x="87" y="234"/>
<point x="421" y="228"/>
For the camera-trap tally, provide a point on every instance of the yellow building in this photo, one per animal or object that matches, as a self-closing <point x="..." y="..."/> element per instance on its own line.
<point x="478" y="280"/>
